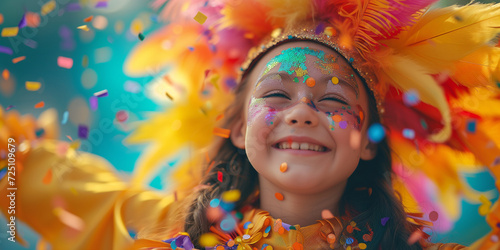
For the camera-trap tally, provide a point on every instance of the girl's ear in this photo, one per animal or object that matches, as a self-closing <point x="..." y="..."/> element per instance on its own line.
<point x="368" y="149"/>
<point x="238" y="132"/>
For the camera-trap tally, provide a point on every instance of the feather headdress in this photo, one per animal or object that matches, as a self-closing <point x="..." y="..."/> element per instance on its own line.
<point x="445" y="55"/>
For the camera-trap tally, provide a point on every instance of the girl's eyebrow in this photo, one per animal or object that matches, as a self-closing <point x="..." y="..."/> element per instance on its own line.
<point x="352" y="85"/>
<point x="279" y="75"/>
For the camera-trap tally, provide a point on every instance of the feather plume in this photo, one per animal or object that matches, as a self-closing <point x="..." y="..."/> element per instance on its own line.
<point x="406" y="75"/>
<point x="478" y="68"/>
<point x="443" y="36"/>
<point x="292" y="11"/>
<point x="373" y="20"/>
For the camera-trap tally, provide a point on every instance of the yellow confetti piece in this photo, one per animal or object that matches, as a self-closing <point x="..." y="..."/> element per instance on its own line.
<point x="83" y="27"/>
<point x="484" y="209"/>
<point x="18" y="59"/>
<point x="208" y="240"/>
<point x="200" y="18"/>
<point x="276" y="33"/>
<point x="231" y="195"/>
<point x="40" y="105"/>
<point x="330" y="31"/>
<point x="75" y="144"/>
<point x="10" y="31"/>
<point x="85" y="61"/>
<point x="6" y="74"/>
<point x="33" y="86"/>
<point x="335" y="80"/>
<point x="222" y="132"/>
<point x="48" y="7"/>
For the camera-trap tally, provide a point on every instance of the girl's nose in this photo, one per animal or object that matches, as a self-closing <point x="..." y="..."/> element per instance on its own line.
<point x="302" y="115"/>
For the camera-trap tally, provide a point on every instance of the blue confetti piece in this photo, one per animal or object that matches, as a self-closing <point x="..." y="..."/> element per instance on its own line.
<point x="268" y="229"/>
<point x="191" y="48"/>
<point x="228" y="223"/>
<point x="245" y="226"/>
<point x="349" y="241"/>
<point x="214" y="203"/>
<point x="384" y="220"/>
<point x="132" y="233"/>
<point x="376" y="133"/>
<point x="65" y="117"/>
<point x="411" y="98"/>
<point x="173" y="245"/>
<point x="351" y="60"/>
<point x="3" y="172"/>
<point x="471" y="126"/>
<point x="39" y="132"/>
<point x="424" y="124"/>
<point x="409" y="133"/>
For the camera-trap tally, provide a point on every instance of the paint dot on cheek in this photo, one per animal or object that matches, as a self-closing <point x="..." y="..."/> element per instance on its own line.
<point x="279" y="196"/>
<point x="335" y="80"/>
<point x="310" y="82"/>
<point x="336" y="118"/>
<point x="343" y="124"/>
<point x="283" y="167"/>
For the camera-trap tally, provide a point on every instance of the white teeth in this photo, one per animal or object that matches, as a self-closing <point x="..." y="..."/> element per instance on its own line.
<point x="301" y="146"/>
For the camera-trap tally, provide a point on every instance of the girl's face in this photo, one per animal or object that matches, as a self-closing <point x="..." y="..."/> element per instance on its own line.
<point x="306" y="107"/>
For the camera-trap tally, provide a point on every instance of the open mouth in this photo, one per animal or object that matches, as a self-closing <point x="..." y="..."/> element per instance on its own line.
<point x="300" y="146"/>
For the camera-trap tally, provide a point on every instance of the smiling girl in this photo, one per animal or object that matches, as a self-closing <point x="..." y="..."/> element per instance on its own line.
<point x="318" y="115"/>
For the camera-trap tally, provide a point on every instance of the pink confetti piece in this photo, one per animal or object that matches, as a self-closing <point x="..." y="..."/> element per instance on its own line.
<point x="65" y="62"/>
<point x="69" y="219"/>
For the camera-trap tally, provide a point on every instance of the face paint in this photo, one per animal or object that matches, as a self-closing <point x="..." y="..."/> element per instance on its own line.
<point x="293" y="61"/>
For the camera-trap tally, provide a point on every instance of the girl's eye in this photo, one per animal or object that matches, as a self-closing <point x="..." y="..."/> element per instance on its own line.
<point x="335" y="100"/>
<point x="276" y="95"/>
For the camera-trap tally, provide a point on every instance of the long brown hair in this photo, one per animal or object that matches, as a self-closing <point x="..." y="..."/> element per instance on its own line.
<point x="368" y="196"/>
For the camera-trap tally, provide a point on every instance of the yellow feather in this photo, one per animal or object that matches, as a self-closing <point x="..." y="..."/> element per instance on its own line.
<point x="478" y="68"/>
<point x="443" y="36"/>
<point x="292" y="11"/>
<point x="406" y="74"/>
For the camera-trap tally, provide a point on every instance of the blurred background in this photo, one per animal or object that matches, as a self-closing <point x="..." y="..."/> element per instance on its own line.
<point x="71" y="63"/>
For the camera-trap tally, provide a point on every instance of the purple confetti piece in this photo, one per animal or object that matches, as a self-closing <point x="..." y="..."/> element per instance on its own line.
<point x="93" y="103"/>
<point x="65" y="32"/>
<point x="23" y="22"/>
<point x="9" y="107"/>
<point x="384" y="220"/>
<point x="73" y="7"/>
<point x="343" y="124"/>
<point x="319" y="28"/>
<point x="68" y="45"/>
<point x="231" y="83"/>
<point x="496" y="161"/>
<point x="83" y="131"/>
<point x="30" y="43"/>
<point x="5" y="50"/>
<point x="101" y="4"/>
<point x="286" y="226"/>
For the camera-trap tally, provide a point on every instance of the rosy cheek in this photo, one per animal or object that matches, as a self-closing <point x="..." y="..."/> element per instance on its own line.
<point x="258" y="110"/>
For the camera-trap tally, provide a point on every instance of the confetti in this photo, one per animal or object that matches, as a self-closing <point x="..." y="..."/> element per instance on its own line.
<point x="69" y="219"/>
<point x="208" y="240"/>
<point x="141" y="36"/>
<point x="1" y="18"/>
<point x="101" y="93"/>
<point x="331" y="238"/>
<point x="10" y="31"/>
<point x="326" y="214"/>
<point x="214" y="202"/>
<point x="85" y="61"/>
<point x="384" y="220"/>
<point x="200" y="18"/>
<point x="222" y="132"/>
<point x="496" y="161"/>
<point x="32" y="86"/>
<point x="88" y="19"/>
<point x="5" y="50"/>
<point x="101" y="4"/>
<point x="32" y="19"/>
<point x="93" y="103"/>
<point x="219" y="117"/>
<point x="83" y="131"/>
<point x="376" y="133"/>
<point x="433" y="216"/>
<point x="9" y="107"/>
<point x="5" y="74"/>
<point x="484" y="209"/>
<point x="18" y="59"/>
<point x="73" y="7"/>
<point x="228" y="223"/>
<point x="40" y="132"/>
<point x="349" y="241"/>
<point x="231" y="195"/>
<point x="132" y="87"/>
<point x="330" y="31"/>
<point x="310" y="82"/>
<point x="103" y="55"/>
<point x="219" y="176"/>
<point x="83" y="27"/>
<point x="22" y="23"/>
<point x="40" y="105"/>
<point x="283" y="167"/>
<point x="169" y="96"/>
<point x="47" y="179"/>
<point x="48" y="7"/>
<point x="414" y="237"/>
<point x="411" y="98"/>
<point x="64" y="62"/>
<point x="362" y="246"/>
<point x="30" y="43"/>
<point x="279" y="196"/>
<point x="409" y="133"/>
<point x="121" y="116"/>
<point x="471" y="126"/>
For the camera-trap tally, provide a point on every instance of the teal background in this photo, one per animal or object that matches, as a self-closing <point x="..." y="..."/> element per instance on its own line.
<point x="61" y="86"/>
